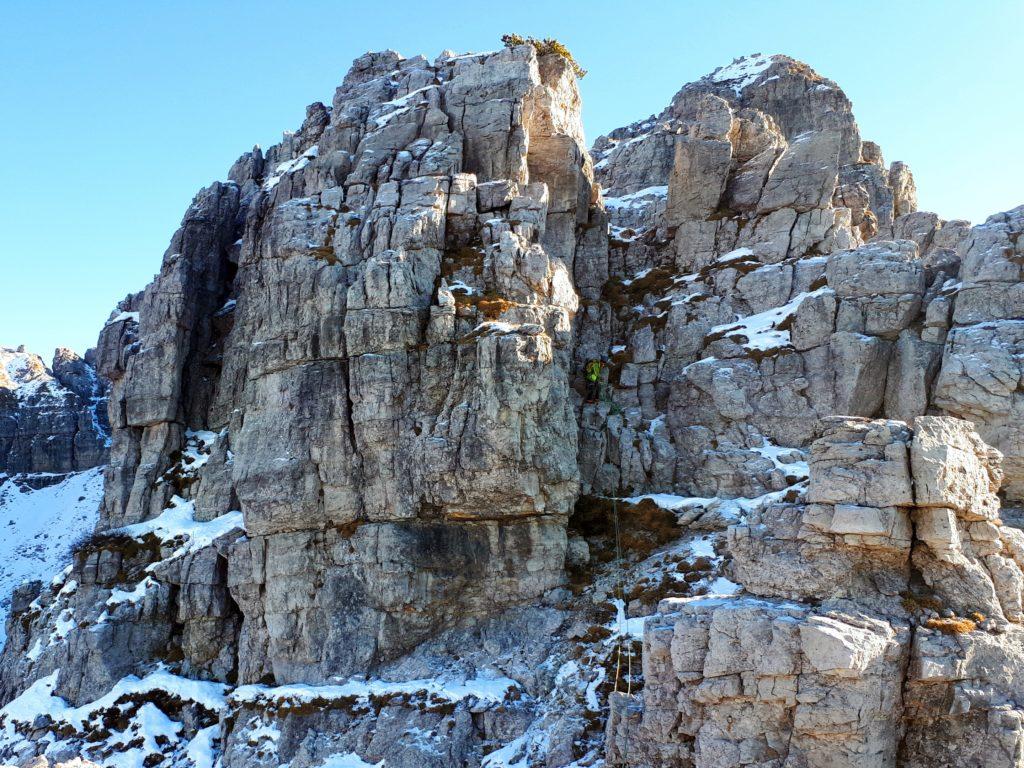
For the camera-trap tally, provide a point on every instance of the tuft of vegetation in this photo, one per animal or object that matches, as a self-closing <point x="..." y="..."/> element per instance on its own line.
<point x="546" y="46"/>
<point x="952" y="626"/>
<point x="643" y="527"/>
<point x="95" y="541"/>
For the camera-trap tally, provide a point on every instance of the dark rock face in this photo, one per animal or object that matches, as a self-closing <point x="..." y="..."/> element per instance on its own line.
<point x="52" y="420"/>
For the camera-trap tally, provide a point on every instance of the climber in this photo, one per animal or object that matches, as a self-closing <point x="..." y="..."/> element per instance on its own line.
<point x="593" y="373"/>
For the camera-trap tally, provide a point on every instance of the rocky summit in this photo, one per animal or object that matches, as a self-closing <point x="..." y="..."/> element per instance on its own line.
<point x="363" y="507"/>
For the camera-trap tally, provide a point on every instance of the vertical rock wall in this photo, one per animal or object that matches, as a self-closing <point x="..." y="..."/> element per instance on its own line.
<point x="52" y="420"/>
<point x="375" y="321"/>
<point x="765" y="270"/>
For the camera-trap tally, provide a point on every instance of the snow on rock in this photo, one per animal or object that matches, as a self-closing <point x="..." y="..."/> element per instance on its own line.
<point x="194" y="455"/>
<point x="736" y="255"/>
<point x="133" y="316"/>
<point x="638" y="276"/>
<point x="198" y="444"/>
<point x="141" y="704"/>
<point x="640" y="198"/>
<point x="50" y="419"/>
<point x="491" y="690"/>
<point x="290" y="166"/>
<point x="792" y="461"/>
<point x="728" y="509"/>
<point x="134" y="595"/>
<point x="512" y="755"/>
<point x="743" y="71"/>
<point x="349" y="760"/>
<point x="209" y="695"/>
<point x="39" y="528"/>
<point x="762" y="331"/>
<point x="625" y="627"/>
<point x="201" y="749"/>
<point x="177" y="524"/>
<point x="19" y="368"/>
<point x="615" y="145"/>
<point x="495" y="327"/>
<point x="723" y="586"/>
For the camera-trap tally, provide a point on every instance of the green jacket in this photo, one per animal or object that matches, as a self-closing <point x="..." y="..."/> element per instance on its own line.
<point x="593" y="370"/>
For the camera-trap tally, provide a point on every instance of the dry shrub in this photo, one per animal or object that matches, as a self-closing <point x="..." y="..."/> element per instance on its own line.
<point x="545" y="46"/>
<point x="952" y="626"/>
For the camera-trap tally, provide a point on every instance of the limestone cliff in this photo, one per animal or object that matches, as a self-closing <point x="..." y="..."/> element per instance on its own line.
<point x="357" y="512"/>
<point x="53" y="420"/>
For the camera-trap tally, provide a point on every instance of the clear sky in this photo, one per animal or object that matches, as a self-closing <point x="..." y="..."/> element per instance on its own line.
<point x="115" y="113"/>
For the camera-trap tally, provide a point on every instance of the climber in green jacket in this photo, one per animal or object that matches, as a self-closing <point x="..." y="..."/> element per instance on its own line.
<point x="592" y="370"/>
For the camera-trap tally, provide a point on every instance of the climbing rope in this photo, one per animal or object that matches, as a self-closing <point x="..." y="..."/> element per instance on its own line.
<point x="605" y="396"/>
<point x="623" y="622"/>
<point x="618" y="568"/>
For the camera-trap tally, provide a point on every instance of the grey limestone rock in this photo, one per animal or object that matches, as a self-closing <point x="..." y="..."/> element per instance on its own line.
<point x="52" y="419"/>
<point x="357" y="508"/>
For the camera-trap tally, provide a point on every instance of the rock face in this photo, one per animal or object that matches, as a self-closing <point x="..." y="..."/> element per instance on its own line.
<point x="765" y="270"/>
<point x="53" y="420"/>
<point x="861" y="669"/>
<point x="357" y="512"/>
<point x="357" y="352"/>
<point x="375" y="320"/>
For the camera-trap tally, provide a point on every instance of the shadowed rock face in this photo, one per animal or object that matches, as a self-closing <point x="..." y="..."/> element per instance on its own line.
<point x="347" y="437"/>
<point x="52" y="420"/>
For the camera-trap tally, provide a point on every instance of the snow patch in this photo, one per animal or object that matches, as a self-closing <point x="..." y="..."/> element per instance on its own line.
<point x="147" y="731"/>
<point x="134" y="595"/>
<point x="762" y="331"/>
<point x="39" y="528"/>
<point x="639" y="199"/>
<point x="291" y="166"/>
<point x="178" y="525"/>
<point x="200" y="750"/>
<point x="133" y="316"/>
<point x="729" y="509"/>
<point x="461" y="287"/>
<point x="491" y="690"/>
<point x="743" y="71"/>
<point x="623" y="626"/>
<point x="739" y="253"/>
<point x="512" y="755"/>
<point x="789" y="460"/>
<point x="638" y="276"/>
<point x="349" y="760"/>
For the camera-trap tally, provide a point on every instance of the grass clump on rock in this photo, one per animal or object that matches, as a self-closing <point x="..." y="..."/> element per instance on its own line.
<point x="952" y="626"/>
<point x="545" y="46"/>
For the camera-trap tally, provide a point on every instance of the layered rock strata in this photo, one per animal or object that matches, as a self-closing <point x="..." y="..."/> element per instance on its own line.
<point x="882" y="625"/>
<point x="53" y="420"/>
<point x="767" y="269"/>
<point x="362" y="342"/>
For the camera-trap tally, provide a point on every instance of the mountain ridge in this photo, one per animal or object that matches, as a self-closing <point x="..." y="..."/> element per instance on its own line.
<point x="359" y="510"/>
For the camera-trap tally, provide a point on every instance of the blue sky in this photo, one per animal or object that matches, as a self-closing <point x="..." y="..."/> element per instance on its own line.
<point x="115" y="113"/>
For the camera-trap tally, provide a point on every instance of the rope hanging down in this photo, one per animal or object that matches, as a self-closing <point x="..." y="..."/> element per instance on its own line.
<point x="623" y="623"/>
